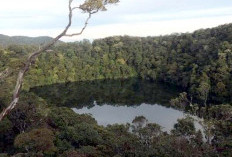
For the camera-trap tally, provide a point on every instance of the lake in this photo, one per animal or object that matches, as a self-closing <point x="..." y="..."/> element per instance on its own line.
<point x="116" y="101"/>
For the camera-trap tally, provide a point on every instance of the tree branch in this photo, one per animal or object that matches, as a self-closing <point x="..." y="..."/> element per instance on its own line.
<point x="75" y="8"/>
<point x="82" y="30"/>
<point x="90" y="7"/>
<point x="30" y="61"/>
<point x="85" y="25"/>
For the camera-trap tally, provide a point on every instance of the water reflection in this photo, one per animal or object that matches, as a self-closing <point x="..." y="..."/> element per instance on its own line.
<point x="116" y="101"/>
<point x="107" y="114"/>
<point x="130" y="92"/>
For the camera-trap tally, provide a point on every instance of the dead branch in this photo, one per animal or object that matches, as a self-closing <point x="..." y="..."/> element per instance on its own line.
<point x="82" y="30"/>
<point x="86" y="8"/>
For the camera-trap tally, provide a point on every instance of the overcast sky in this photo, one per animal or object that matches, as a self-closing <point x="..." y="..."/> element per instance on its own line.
<point x="129" y="17"/>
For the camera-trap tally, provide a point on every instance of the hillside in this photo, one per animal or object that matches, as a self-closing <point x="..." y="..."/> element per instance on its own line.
<point x="199" y="63"/>
<point x="23" y="40"/>
<point x="196" y="62"/>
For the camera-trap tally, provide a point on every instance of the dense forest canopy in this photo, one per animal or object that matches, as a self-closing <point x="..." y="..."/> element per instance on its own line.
<point x="200" y="63"/>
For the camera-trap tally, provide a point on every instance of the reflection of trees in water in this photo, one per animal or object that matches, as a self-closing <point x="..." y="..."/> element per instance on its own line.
<point x="114" y="92"/>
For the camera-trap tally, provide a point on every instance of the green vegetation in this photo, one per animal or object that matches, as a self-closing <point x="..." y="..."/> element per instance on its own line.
<point x="64" y="132"/>
<point x="199" y="63"/>
<point x="23" y="40"/>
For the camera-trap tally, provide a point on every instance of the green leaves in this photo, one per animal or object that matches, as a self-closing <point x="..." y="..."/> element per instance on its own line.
<point x="92" y="6"/>
<point x="184" y="127"/>
<point x="37" y="140"/>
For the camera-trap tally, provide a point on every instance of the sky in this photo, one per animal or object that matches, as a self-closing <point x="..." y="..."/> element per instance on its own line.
<point x="129" y="17"/>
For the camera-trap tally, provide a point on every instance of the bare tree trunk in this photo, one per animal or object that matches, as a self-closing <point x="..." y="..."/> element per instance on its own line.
<point x="33" y="56"/>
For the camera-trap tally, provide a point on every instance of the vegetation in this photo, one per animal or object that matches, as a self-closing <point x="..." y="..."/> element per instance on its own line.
<point x="88" y="6"/>
<point x="199" y="63"/>
<point x="64" y="132"/>
<point x="6" y="41"/>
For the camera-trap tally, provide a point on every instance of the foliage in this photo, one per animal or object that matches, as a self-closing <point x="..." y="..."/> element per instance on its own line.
<point x="23" y="40"/>
<point x="184" y="127"/>
<point x="37" y="141"/>
<point x="199" y="63"/>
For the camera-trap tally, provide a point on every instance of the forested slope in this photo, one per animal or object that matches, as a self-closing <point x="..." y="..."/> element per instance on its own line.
<point x="200" y="63"/>
<point x="23" y="40"/>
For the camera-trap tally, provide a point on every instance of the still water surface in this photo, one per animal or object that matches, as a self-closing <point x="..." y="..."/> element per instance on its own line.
<point x="108" y="114"/>
<point x="116" y="101"/>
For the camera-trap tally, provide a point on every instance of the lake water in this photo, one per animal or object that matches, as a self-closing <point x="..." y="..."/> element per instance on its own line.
<point x="107" y="114"/>
<point x="116" y="101"/>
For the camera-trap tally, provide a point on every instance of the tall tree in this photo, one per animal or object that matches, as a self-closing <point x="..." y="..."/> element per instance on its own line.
<point x="89" y="7"/>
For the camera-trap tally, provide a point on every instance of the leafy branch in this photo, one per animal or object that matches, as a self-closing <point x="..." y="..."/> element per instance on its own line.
<point x="89" y="6"/>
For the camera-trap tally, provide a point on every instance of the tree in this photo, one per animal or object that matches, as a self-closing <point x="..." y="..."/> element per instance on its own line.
<point x="204" y="88"/>
<point x="36" y="141"/>
<point x="208" y="127"/>
<point x="88" y="6"/>
<point x="184" y="127"/>
<point x="138" y="123"/>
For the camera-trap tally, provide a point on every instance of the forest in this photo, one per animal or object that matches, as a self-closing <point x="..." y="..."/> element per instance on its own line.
<point x="199" y="64"/>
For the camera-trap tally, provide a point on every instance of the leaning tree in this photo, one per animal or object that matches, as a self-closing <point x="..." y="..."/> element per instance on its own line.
<point x="89" y="7"/>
